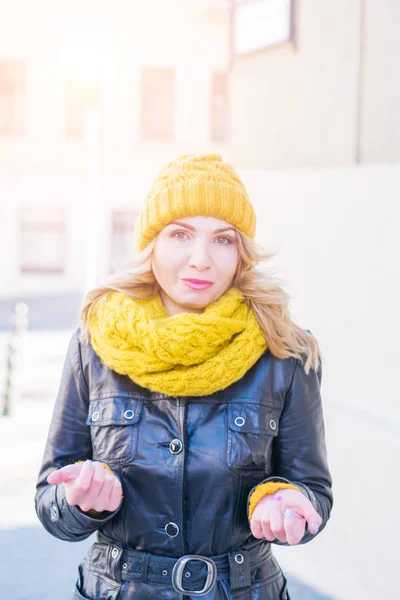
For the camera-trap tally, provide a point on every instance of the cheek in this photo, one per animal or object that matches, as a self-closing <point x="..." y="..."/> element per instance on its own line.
<point x="227" y="263"/>
<point x="165" y="261"/>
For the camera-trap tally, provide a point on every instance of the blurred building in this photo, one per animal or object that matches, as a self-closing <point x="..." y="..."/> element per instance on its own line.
<point x="96" y="96"/>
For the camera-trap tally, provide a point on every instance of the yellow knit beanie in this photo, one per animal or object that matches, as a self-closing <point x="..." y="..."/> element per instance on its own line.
<point x="195" y="184"/>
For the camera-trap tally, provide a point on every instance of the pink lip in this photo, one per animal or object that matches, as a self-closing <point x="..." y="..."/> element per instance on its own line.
<point x="195" y="284"/>
<point x="197" y="280"/>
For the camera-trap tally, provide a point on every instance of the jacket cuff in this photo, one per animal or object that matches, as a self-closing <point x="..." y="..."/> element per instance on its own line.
<point x="269" y="486"/>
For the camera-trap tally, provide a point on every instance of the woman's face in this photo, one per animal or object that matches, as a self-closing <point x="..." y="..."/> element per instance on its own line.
<point x="194" y="248"/>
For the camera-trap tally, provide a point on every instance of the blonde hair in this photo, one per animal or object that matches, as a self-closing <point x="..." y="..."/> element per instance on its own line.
<point x="261" y="290"/>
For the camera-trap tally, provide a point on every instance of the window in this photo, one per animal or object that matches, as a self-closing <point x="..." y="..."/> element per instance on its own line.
<point x="157" y="104"/>
<point x="219" y="107"/>
<point x="42" y="239"/>
<point x="122" y="236"/>
<point x="12" y="97"/>
<point x="80" y="97"/>
<point x="259" y="24"/>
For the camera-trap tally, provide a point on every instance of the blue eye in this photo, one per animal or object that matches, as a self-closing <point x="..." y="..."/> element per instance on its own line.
<point x="178" y="232"/>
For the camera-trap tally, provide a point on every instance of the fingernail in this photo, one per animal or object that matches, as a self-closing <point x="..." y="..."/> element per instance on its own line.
<point x="278" y="498"/>
<point x="316" y="527"/>
<point x="289" y="513"/>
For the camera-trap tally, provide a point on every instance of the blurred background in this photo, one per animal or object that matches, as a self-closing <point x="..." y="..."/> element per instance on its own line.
<point x="302" y="97"/>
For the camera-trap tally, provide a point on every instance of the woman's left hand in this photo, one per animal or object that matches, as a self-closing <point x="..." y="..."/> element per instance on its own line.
<point x="283" y="515"/>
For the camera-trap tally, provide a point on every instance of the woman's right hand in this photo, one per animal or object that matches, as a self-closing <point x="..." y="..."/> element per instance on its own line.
<point x="89" y="485"/>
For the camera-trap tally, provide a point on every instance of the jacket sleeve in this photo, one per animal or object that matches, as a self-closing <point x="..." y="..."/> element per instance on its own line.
<point x="299" y="450"/>
<point x="68" y="441"/>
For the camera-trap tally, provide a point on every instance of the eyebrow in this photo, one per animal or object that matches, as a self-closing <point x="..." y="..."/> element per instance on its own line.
<point x="194" y="228"/>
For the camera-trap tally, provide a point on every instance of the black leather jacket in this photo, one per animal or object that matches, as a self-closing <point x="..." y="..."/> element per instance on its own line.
<point x="187" y="465"/>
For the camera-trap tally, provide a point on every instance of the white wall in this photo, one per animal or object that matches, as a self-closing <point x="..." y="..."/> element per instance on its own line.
<point x="337" y="232"/>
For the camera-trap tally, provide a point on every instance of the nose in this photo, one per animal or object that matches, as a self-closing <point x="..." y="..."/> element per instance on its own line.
<point x="199" y="255"/>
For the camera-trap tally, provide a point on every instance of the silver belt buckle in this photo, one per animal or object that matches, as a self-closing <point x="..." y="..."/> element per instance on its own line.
<point x="178" y="569"/>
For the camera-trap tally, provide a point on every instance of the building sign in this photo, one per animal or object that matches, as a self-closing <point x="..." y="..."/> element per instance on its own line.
<point x="258" y="24"/>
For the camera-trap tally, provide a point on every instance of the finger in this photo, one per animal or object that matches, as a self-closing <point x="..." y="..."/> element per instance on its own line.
<point x="302" y="505"/>
<point x="264" y="515"/>
<point x="65" y="474"/>
<point x="294" y="525"/>
<point x="115" y="494"/>
<point x="267" y="532"/>
<point x="313" y="518"/>
<point x="255" y="526"/>
<point x="256" y="530"/>
<point x="78" y="493"/>
<point x="276" y="520"/>
<point x="94" y="497"/>
<point x="259" y="523"/>
<point x="102" y="484"/>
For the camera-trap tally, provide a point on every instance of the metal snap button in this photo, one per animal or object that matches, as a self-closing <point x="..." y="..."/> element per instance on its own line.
<point x="187" y="574"/>
<point x="171" y="529"/>
<point x="129" y="414"/>
<point x="175" y="446"/>
<point x="165" y="572"/>
<point x="239" y="558"/>
<point x="272" y="424"/>
<point x="239" y="421"/>
<point x="125" y="566"/>
<point x="95" y="416"/>
<point x="114" y="552"/>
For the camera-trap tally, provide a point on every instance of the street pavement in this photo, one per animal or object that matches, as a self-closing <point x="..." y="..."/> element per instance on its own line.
<point x="34" y="564"/>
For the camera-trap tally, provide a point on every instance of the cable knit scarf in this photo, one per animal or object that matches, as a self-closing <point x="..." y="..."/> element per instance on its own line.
<point x="187" y="354"/>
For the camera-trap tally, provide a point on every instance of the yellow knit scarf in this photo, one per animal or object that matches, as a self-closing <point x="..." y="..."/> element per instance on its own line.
<point x="187" y="354"/>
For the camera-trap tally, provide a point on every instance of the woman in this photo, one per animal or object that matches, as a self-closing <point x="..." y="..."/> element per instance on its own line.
<point x="188" y="429"/>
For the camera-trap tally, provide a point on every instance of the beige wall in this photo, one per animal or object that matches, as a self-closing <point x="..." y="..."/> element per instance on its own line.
<point x="380" y="76"/>
<point x="330" y="98"/>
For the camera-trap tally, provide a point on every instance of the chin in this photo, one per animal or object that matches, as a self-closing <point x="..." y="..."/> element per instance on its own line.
<point x="199" y="304"/>
<point x="195" y="300"/>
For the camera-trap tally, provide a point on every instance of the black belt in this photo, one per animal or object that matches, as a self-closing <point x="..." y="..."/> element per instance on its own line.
<point x="191" y="574"/>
